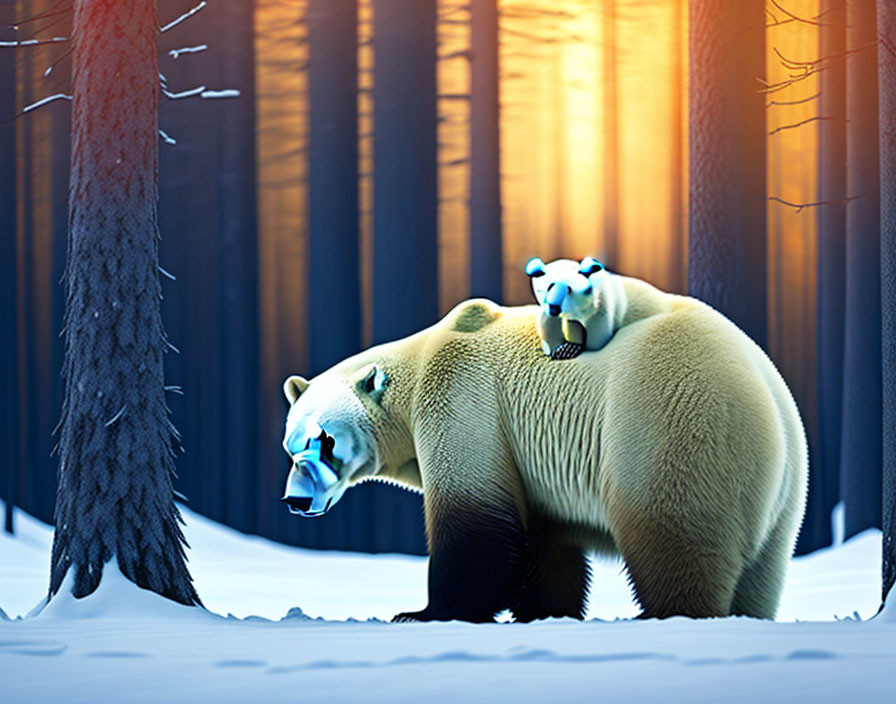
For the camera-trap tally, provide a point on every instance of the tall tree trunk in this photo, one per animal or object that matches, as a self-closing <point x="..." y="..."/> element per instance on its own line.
<point x="405" y="219"/>
<point x="114" y="496"/>
<point x="677" y="275"/>
<point x="831" y="272"/>
<point x="237" y="238"/>
<point x="860" y="474"/>
<point x="9" y="419"/>
<point x="886" y="51"/>
<point x="405" y="204"/>
<point x="611" y="137"/>
<point x="208" y="214"/>
<point x="727" y="231"/>
<point x="334" y="310"/>
<point x="486" y="258"/>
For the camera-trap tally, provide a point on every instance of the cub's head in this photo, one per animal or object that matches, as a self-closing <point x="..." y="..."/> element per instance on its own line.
<point x="330" y="435"/>
<point x="565" y="287"/>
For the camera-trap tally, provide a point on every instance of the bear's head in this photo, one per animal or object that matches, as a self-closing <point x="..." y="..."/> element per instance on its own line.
<point x="565" y="287"/>
<point x="330" y="435"/>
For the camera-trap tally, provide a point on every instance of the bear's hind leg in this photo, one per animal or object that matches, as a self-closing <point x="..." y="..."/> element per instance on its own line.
<point x="677" y="573"/>
<point x="758" y="590"/>
<point x="556" y="578"/>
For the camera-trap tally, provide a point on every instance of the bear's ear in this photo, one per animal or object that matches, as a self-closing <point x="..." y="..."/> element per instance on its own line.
<point x="535" y="267"/>
<point x="294" y="387"/>
<point x="589" y="266"/>
<point x="372" y="382"/>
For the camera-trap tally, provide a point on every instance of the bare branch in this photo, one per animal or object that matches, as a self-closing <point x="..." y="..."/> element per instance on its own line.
<point x="34" y="42"/>
<point x="184" y="94"/>
<point x="183" y="17"/>
<point x="175" y="53"/>
<point x="800" y="206"/>
<point x="214" y="94"/>
<point x="781" y="103"/>
<point x="166" y="138"/>
<point x="816" y="118"/>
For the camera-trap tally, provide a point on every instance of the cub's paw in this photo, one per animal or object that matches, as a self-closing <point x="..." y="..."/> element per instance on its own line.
<point x="567" y="350"/>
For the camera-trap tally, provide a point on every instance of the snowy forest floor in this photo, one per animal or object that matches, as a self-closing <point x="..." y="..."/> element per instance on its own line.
<point x="123" y="644"/>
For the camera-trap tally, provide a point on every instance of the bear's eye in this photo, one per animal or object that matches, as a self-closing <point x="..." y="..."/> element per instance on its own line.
<point x="370" y="382"/>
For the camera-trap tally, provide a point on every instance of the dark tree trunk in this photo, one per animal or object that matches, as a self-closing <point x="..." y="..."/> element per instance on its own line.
<point x="886" y="29"/>
<point x="860" y="473"/>
<point x="405" y="222"/>
<point x="9" y="418"/>
<point x="114" y="495"/>
<point x="677" y="266"/>
<point x="824" y="479"/>
<point x="610" y="138"/>
<point x="727" y="232"/>
<point x="486" y="258"/>
<point x="237" y="261"/>
<point x="209" y="241"/>
<point x="334" y="296"/>
<point x="405" y="204"/>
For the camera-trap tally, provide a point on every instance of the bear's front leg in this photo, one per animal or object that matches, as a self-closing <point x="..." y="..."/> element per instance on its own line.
<point x="475" y="560"/>
<point x="475" y="532"/>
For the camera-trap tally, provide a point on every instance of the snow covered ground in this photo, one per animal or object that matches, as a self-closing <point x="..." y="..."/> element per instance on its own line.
<point x="125" y="644"/>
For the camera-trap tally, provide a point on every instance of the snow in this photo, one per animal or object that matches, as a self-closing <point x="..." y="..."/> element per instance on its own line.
<point x="126" y="644"/>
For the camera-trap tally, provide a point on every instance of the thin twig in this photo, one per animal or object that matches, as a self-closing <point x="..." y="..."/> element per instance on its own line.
<point x="800" y="206"/>
<point x="183" y="17"/>
<point x="816" y="118"/>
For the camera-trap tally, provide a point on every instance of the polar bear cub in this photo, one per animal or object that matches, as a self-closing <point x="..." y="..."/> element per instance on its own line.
<point x="582" y="305"/>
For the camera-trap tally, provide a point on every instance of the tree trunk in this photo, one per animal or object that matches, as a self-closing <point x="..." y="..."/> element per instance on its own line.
<point x="611" y="138"/>
<point x="486" y="258"/>
<point x="9" y="419"/>
<point x="677" y="266"/>
<point x="237" y="261"/>
<point x="831" y="272"/>
<point x="860" y="473"/>
<point x="405" y="220"/>
<point x="727" y="230"/>
<point x="886" y="51"/>
<point x="405" y="209"/>
<point x="334" y="309"/>
<point x="114" y="496"/>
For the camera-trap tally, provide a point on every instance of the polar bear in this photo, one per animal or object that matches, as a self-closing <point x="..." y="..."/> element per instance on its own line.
<point x="582" y="305"/>
<point x="678" y="446"/>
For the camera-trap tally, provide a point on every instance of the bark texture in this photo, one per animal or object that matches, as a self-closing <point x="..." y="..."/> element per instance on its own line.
<point x="116" y="446"/>
<point x="486" y="259"/>
<point x="405" y="185"/>
<point x="727" y="222"/>
<point x="860" y="458"/>
<point x="886" y="51"/>
<point x="831" y="271"/>
<point x="8" y="280"/>
<point x="334" y="295"/>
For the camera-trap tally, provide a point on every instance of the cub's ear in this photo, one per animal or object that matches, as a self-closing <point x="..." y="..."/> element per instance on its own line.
<point x="294" y="387"/>
<point x="535" y="267"/>
<point x="372" y="382"/>
<point x="589" y="266"/>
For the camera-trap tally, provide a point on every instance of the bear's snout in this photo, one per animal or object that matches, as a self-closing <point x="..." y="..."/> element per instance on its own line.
<point x="297" y="504"/>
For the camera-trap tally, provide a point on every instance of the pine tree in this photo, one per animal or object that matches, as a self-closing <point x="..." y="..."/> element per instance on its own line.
<point x="116" y="444"/>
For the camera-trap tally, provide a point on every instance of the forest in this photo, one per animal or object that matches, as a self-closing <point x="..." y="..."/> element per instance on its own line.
<point x="338" y="173"/>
